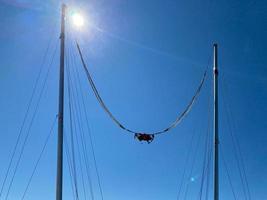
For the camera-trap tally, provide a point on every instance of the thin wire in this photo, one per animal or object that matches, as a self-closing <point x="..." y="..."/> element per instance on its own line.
<point x="27" y="112"/>
<point x="233" y="136"/>
<point x="89" y="131"/>
<point x="101" y="102"/>
<point x="192" y="166"/>
<point x="207" y="149"/>
<point x="31" y="123"/>
<point x="235" y="149"/>
<point x="71" y="133"/>
<point x="70" y="159"/>
<point x="228" y="175"/>
<point x="208" y="173"/>
<point x="73" y="103"/>
<point x="69" y="162"/>
<point x="205" y="160"/>
<point x="82" y="136"/>
<point x="84" y="146"/>
<point x="208" y="155"/>
<point x="185" y="165"/>
<point x="39" y="158"/>
<point x="79" y="152"/>
<point x="196" y="150"/>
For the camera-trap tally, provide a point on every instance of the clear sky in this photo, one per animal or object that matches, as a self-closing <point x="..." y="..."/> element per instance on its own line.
<point x="147" y="58"/>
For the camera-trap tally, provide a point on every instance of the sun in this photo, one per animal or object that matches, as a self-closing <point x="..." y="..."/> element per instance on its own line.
<point x="77" y="20"/>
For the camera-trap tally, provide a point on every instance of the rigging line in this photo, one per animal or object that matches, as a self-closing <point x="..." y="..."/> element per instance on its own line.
<point x="228" y="175"/>
<point x="31" y="122"/>
<point x="73" y="103"/>
<point x="187" y="160"/>
<point x="79" y="119"/>
<point x="234" y="137"/>
<point x="235" y="149"/>
<point x="207" y="149"/>
<point x="79" y="159"/>
<point x="69" y="161"/>
<point x="209" y="170"/>
<point x="82" y="135"/>
<point x="205" y="161"/>
<point x="70" y="158"/>
<point x="79" y="153"/>
<point x="89" y="131"/>
<point x="186" y="163"/>
<point x="27" y="112"/>
<point x="39" y="158"/>
<point x="70" y="170"/>
<point x="71" y="132"/>
<point x="198" y="142"/>
<point x="171" y="126"/>
<point x="192" y="167"/>
<point x="204" y="166"/>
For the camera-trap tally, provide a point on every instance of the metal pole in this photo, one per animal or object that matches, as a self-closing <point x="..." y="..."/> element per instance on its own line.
<point x="216" y="133"/>
<point x="61" y="109"/>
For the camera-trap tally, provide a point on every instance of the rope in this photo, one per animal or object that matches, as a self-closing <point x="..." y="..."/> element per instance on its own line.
<point x="118" y="123"/>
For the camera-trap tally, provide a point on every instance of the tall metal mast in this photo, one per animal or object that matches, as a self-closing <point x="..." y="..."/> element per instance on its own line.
<point x="61" y="109"/>
<point x="215" y="126"/>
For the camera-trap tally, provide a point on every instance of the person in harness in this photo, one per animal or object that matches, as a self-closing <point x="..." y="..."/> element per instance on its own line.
<point x="144" y="137"/>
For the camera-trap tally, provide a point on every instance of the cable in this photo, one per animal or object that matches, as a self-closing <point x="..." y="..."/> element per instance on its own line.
<point x="192" y="166"/>
<point x="30" y="125"/>
<point x="75" y="125"/>
<point x="76" y="72"/>
<point x="39" y="158"/>
<point x="206" y="160"/>
<point x="198" y="142"/>
<point x="230" y="114"/>
<point x="26" y="114"/>
<point x="171" y="126"/>
<point x="69" y="166"/>
<point x="185" y="166"/>
<point x="228" y="175"/>
<point x="208" y="174"/>
<point x="237" y="150"/>
<point x="77" y="108"/>
<point x="207" y="150"/>
<point x="72" y="135"/>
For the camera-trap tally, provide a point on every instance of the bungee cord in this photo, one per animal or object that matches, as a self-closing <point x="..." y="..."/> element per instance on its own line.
<point x="141" y="136"/>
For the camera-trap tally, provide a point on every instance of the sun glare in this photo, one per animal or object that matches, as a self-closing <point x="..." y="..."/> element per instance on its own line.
<point x="77" y="20"/>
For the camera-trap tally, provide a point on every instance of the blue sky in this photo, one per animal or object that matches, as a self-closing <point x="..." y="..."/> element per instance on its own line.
<point x="147" y="58"/>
